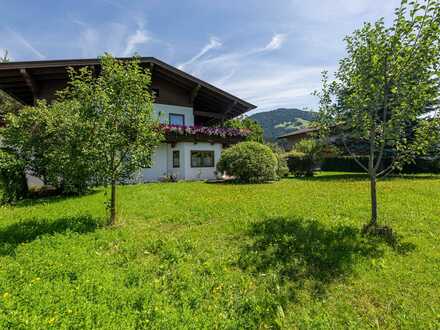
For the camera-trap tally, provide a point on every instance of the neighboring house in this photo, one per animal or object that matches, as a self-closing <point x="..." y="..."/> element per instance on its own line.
<point x="289" y="140"/>
<point x="189" y="109"/>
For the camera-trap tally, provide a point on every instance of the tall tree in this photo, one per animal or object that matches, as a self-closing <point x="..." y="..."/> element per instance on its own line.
<point x="119" y="105"/>
<point x="54" y="143"/>
<point x="7" y="103"/>
<point x="256" y="131"/>
<point x="387" y="81"/>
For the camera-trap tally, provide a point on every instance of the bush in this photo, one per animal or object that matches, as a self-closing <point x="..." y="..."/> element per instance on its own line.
<point x="12" y="177"/>
<point x="250" y="162"/>
<point x="305" y="158"/>
<point x="282" y="169"/>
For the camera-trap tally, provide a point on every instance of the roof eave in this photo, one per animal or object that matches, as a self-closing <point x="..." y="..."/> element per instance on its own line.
<point x="153" y="60"/>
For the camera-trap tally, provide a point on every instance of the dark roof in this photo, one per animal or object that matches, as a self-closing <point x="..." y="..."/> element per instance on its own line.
<point x="299" y="132"/>
<point x="16" y="79"/>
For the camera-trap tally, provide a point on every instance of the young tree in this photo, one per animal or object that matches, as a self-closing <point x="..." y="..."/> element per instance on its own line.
<point x="7" y="103"/>
<point x="119" y="105"/>
<point x="389" y="78"/>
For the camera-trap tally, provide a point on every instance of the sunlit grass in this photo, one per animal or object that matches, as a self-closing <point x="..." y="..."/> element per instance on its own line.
<point x="200" y="255"/>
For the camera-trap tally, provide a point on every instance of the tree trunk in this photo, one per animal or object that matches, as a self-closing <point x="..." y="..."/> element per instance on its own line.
<point x="373" y="221"/>
<point x="113" y="204"/>
<point x="372" y="172"/>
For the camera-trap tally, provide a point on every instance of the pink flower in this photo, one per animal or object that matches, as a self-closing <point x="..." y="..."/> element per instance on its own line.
<point x="203" y="130"/>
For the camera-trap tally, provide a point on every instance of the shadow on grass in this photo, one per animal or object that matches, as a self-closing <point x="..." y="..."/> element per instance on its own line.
<point x="51" y="199"/>
<point x="29" y="230"/>
<point x="300" y="251"/>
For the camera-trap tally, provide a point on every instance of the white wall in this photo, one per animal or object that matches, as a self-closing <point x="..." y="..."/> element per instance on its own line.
<point x="179" y="173"/>
<point x="202" y="173"/>
<point x="163" y="111"/>
<point x="163" y="157"/>
<point x="163" y="162"/>
<point x="159" y="165"/>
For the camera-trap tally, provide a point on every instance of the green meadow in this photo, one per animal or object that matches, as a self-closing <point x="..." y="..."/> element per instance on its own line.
<point x="197" y="255"/>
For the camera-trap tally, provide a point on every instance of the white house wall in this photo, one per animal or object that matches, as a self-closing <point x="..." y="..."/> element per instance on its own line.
<point x="163" y="162"/>
<point x="163" y="112"/>
<point x="163" y="157"/>
<point x="179" y="172"/>
<point x="159" y="166"/>
<point x="201" y="173"/>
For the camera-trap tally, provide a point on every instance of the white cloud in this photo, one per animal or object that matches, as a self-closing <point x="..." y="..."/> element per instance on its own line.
<point x="334" y="10"/>
<point x="140" y="37"/>
<point x="115" y="38"/>
<point x="212" y="44"/>
<point x="258" y="79"/>
<point x="24" y="43"/>
<point x="228" y="61"/>
<point x="277" y="41"/>
<point x="276" y="85"/>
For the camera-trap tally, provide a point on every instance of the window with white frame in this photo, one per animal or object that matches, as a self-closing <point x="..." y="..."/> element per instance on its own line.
<point x="203" y="158"/>
<point x="176" y="158"/>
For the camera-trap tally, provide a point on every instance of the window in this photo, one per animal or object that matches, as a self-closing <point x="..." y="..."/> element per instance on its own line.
<point x="176" y="158"/>
<point x="202" y="158"/>
<point x="176" y="119"/>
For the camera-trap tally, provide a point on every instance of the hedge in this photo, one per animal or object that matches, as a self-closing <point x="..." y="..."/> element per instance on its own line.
<point x="300" y="164"/>
<point x="348" y="164"/>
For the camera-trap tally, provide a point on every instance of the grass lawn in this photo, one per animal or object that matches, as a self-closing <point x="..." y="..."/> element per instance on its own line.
<point x="198" y="255"/>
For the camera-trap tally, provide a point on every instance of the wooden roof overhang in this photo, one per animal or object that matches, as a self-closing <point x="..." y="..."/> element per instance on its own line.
<point x="22" y="81"/>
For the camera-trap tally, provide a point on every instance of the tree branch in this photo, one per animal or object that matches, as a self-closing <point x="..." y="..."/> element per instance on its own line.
<point x="384" y="115"/>
<point x="388" y="170"/>
<point x="353" y="155"/>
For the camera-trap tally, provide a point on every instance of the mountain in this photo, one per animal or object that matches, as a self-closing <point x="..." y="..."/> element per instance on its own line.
<point x="282" y="121"/>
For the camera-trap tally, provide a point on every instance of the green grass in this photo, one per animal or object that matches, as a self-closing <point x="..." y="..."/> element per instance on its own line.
<point x="198" y="255"/>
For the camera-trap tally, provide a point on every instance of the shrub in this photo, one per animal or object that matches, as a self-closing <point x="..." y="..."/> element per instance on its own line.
<point x="305" y="158"/>
<point x="249" y="162"/>
<point x="282" y="169"/>
<point x="12" y="177"/>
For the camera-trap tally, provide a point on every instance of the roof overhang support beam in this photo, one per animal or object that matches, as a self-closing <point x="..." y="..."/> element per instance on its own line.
<point x="194" y="93"/>
<point x="30" y="82"/>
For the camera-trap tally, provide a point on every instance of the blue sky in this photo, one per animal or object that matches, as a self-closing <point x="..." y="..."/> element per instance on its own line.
<point x="270" y="53"/>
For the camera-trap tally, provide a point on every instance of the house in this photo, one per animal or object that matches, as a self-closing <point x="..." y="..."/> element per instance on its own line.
<point x="290" y="139"/>
<point x="190" y="110"/>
